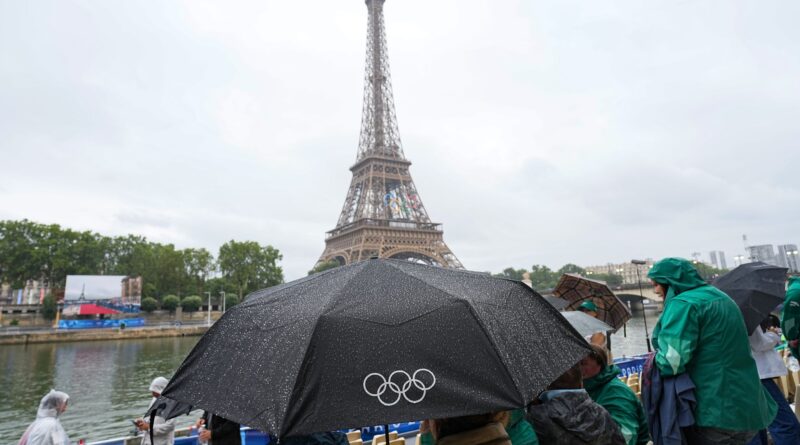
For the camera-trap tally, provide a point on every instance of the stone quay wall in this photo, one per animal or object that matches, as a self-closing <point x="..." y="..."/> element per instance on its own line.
<point x="55" y="336"/>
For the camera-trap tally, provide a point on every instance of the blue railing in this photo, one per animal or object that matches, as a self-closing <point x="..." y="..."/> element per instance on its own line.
<point x="98" y="324"/>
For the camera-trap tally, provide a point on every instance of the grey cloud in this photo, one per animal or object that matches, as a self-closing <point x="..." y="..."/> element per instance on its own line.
<point x="540" y="132"/>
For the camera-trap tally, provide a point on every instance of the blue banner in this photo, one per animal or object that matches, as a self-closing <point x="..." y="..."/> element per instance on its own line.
<point x="369" y="431"/>
<point x="631" y="365"/>
<point x="97" y="324"/>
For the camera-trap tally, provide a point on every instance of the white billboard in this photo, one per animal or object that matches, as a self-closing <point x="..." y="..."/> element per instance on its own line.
<point x="96" y="288"/>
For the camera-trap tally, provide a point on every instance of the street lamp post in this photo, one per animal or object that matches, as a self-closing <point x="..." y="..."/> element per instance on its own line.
<point x="208" y="318"/>
<point x="641" y="293"/>
<point x="624" y="325"/>
<point x="222" y="292"/>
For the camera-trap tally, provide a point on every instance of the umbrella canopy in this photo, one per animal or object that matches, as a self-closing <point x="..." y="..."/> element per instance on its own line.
<point x="376" y="342"/>
<point x="757" y="288"/>
<point x="585" y="324"/>
<point x="577" y="290"/>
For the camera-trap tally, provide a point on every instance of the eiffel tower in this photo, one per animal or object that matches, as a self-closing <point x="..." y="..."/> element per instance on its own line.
<point x="383" y="215"/>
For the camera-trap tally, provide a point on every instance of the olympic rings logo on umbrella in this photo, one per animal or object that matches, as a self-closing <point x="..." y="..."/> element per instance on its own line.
<point x="399" y="385"/>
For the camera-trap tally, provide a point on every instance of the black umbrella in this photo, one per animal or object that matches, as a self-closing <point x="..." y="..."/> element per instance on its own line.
<point x="757" y="288"/>
<point x="586" y="324"/>
<point x="381" y="341"/>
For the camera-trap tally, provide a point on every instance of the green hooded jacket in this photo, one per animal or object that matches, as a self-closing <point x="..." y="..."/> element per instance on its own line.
<point x="608" y="391"/>
<point x="519" y="430"/>
<point x="702" y="332"/>
<point x="790" y="321"/>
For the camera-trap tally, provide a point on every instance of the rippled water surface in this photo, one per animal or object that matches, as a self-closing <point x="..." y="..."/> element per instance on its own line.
<point x="107" y="382"/>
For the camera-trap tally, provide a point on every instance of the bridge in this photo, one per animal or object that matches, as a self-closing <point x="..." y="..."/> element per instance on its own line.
<point x="633" y="298"/>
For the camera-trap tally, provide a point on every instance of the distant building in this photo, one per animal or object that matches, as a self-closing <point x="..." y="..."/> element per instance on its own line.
<point x="764" y="253"/>
<point x="131" y="290"/>
<point x="626" y="270"/>
<point x="787" y="256"/>
<point x="718" y="259"/>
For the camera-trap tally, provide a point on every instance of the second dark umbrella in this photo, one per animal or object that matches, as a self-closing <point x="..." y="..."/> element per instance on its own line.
<point x="757" y="288"/>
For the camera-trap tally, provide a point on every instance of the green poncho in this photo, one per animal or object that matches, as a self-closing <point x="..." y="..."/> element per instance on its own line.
<point x="620" y="401"/>
<point x="790" y="321"/>
<point x="702" y="332"/>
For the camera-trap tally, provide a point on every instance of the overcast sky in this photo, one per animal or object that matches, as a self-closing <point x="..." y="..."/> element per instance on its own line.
<point x="541" y="132"/>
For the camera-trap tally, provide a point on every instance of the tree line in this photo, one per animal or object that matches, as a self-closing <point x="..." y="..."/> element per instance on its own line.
<point x="543" y="278"/>
<point x="48" y="253"/>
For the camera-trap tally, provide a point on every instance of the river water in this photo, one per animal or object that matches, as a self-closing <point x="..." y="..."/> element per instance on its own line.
<point x="107" y="380"/>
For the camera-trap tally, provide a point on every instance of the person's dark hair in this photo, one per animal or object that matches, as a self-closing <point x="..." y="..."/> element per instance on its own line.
<point x="770" y="322"/>
<point x="571" y="379"/>
<point x="454" y="425"/>
<point x="599" y="355"/>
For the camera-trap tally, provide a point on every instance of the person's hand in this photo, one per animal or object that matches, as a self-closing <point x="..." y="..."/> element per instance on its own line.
<point x="205" y="435"/>
<point x="142" y="425"/>
<point x="199" y="423"/>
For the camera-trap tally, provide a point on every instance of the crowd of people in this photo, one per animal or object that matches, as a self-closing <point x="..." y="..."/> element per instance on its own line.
<point x="708" y="382"/>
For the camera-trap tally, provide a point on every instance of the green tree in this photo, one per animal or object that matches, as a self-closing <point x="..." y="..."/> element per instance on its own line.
<point x="149" y="304"/>
<point x="219" y="285"/>
<point x="18" y="244"/>
<point x="49" y="307"/>
<point x="169" y="275"/>
<point x="542" y="277"/>
<point x="170" y="303"/>
<point x="191" y="303"/>
<point x="511" y="273"/>
<point x="323" y="266"/>
<point x="249" y="266"/>
<point x="707" y="272"/>
<point x="231" y="300"/>
<point x="198" y="264"/>
<point x="571" y="268"/>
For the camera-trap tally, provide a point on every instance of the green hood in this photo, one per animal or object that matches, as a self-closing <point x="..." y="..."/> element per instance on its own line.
<point x="678" y="273"/>
<point x="603" y="377"/>
<point x="794" y="287"/>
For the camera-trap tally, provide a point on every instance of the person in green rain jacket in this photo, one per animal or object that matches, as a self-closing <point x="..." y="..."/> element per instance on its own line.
<point x="602" y="383"/>
<point x="702" y="333"/>
<point x="790" y="322"/>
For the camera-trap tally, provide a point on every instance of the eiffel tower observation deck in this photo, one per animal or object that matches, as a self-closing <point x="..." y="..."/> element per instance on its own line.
<point x="383" y="215"/>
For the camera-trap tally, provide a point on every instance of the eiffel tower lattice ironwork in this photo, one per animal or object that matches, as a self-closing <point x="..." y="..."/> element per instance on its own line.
<point x="383" y="215"/>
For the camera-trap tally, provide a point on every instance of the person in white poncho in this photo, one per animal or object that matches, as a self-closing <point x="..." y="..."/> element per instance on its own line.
<point x="47" y="429"/>
<point x="163" y="430"/>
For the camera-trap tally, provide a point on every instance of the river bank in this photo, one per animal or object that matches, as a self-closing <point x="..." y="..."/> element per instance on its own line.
<point x="82" y="335"/>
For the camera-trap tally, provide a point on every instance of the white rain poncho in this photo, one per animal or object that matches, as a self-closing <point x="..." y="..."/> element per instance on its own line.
<point x="163" y="430"/>
<point x="47" y="429"/>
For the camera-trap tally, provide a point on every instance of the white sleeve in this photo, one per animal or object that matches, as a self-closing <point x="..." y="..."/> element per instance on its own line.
<point x="163" y="427"/>
<point x="763" y="341"/>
